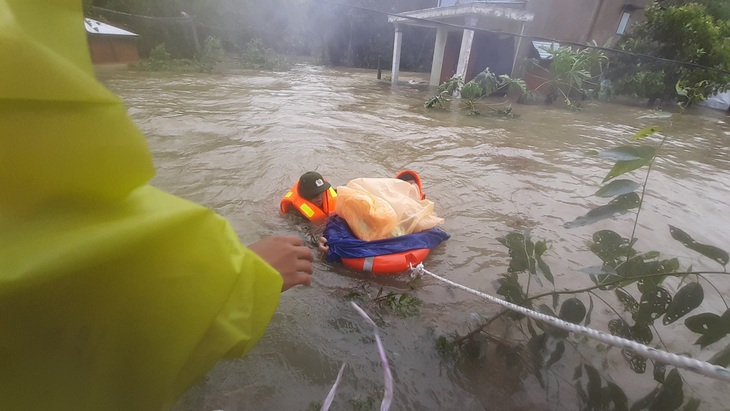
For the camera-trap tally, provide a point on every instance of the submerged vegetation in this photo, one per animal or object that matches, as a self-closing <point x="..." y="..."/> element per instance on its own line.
<point x="485" y="84"/>
<point x="403" y="304"/>
<point x="635" y="285"/>
<point x="573" y="75"/>
<point x="205" y="61"/>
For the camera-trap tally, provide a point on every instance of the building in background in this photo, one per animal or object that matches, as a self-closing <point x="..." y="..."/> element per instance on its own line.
<point x="506" y="31"/>
<point x="109" y="44"/>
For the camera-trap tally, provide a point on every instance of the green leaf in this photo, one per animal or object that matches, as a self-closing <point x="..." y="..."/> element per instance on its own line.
<point x="617" y="187"/>
<point x="708" y="251"/>
<point x="644" y="403"/>
<point x="627" y="301"/>
<point x="545" y="269"/>
<point x="671" y="395"/>
<point x="685" y="300"/>
<point x="628" y="153"/>
<point x="620" y="401"/>
<point x="540" y="248"/>
<point x="594" y="385"/>
<point x="530" y="328"/>
<point x="610" y="247"/>
<point x="644" y="132"/>
<point x="510" y="288"/>
<point x="680" y="90"/>
<point x="520" y="251"/>
<point x="713" y="330"/>
<point x="572" y="310"/>
<point x="641" y="333"/>
<point x="654" y="303"/>
<point x="636" y="268"/>
<point x="590" y="310"/>
<point x="619" y="328"/>
<point x="623" y="167"/>
<point x="471" y="91"/>
<point x="660" y="370"/>
<point x="637" y="363"/>
<point x="619" y="205"/>
<point x="628" y="159"/>
<point x="702" y="323"/>
<point x="722" y="357"/>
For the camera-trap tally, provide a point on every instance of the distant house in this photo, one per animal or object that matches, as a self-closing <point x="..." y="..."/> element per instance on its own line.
<point x="111" y="45"/>
<point x="505" y="31"/>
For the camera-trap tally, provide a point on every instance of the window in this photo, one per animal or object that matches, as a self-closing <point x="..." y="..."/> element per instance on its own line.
<point x="623" y="23"/>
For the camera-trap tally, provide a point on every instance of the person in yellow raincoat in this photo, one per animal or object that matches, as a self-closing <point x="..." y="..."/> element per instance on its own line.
<point x="114" y="295"/>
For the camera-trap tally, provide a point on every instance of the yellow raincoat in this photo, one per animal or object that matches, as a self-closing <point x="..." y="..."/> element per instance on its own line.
<point x="113" y="295"/>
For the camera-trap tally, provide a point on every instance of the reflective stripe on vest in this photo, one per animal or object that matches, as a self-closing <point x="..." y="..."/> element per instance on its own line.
<point x="308" y="212"/>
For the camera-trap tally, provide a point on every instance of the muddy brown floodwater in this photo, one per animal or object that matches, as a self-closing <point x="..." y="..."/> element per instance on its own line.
<point x="237" y="141"/>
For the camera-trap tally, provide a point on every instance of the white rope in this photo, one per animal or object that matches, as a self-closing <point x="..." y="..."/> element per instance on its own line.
<point x="387" y="375"/>
<point x="333" y="390"/>
<point x="700" y="367"/>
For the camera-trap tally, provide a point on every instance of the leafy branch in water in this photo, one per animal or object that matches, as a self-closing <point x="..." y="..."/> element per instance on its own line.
<point x="483" y="85"/>
<point x="573" y="75"/>
<point x="404" y="304"/>
<point x="634" y="278"/>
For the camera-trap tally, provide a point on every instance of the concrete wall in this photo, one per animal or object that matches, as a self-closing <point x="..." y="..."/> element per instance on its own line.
<point x="581" y="21"/>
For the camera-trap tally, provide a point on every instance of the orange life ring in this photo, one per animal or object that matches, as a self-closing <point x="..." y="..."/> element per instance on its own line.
<point x="388" y="263"/>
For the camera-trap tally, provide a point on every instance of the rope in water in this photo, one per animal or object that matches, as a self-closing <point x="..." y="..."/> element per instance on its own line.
<point x="700" y="367"/>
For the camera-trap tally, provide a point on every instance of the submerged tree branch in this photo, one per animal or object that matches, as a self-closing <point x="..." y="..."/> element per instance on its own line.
<point x="616" y="282"/>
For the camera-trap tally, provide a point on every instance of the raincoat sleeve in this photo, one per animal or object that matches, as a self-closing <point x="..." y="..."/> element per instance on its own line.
<point x="114" y="295"/>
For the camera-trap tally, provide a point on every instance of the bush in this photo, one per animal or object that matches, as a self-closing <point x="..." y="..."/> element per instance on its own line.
<point x="256" y="56"/>
<point x="159" y="59"/>
<point x="573" y="75"/>
<point x="682" y="33"/>
<point x="211" y="55"/>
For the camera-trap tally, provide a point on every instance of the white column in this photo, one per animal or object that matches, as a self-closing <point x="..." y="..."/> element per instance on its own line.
<point x="517" y="50"/>
<point x="438" y="56"/>
<point x="397" y="41"/>
<point x="466" y="42"/>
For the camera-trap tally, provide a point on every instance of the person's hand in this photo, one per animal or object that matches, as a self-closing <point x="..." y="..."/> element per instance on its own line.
<point x="288" y="256"/>
<point x="322" y="244"/>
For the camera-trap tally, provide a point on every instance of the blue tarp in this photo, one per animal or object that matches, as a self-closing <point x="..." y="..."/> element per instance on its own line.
<point x="344" y="244"/>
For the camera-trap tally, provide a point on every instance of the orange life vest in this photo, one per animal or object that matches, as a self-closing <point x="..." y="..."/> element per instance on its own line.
<point x="415" y="177"/>
<point x="292" y="199"/>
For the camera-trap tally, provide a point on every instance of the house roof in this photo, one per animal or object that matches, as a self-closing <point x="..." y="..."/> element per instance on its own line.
<point x="444" y="14"/>
<point x="97" y="27"/>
